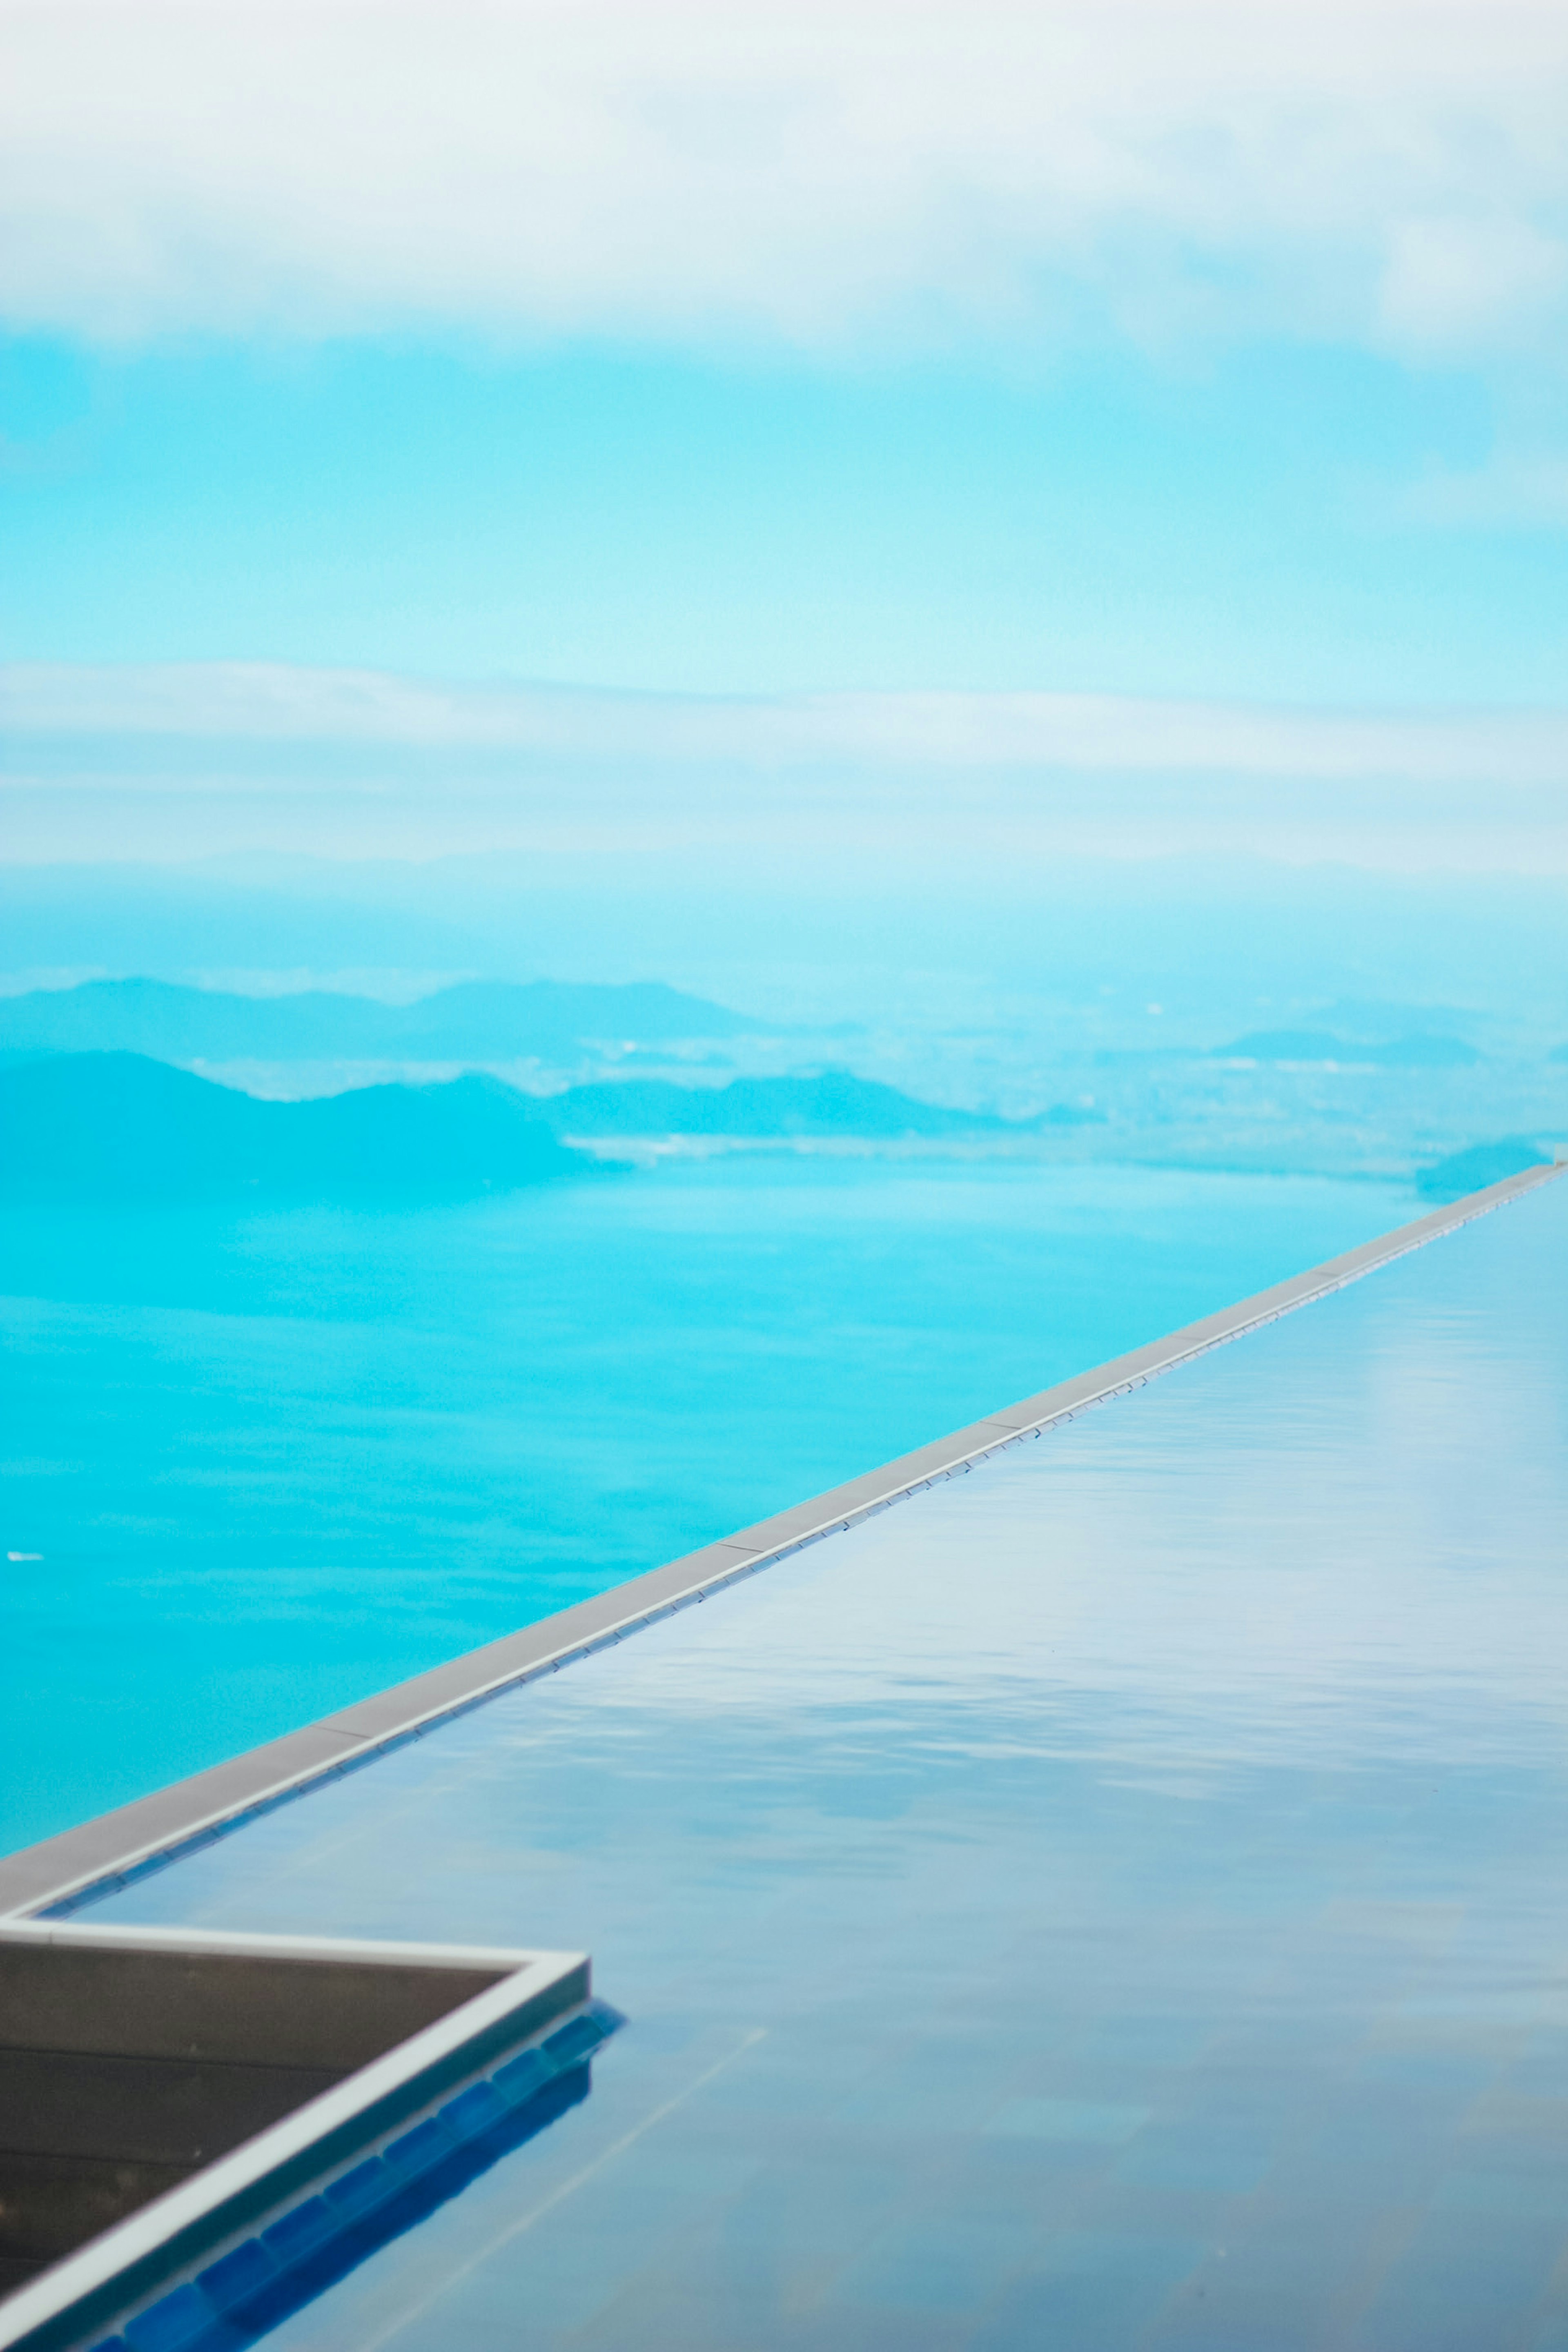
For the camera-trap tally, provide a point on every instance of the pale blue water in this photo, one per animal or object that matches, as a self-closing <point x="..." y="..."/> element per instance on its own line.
<point x="1111" y="1902"/>
<point x="274" y="1462"/>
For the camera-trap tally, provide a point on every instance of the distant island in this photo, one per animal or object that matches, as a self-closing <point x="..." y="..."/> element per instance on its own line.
<point x="120" y="1127"/>
<point x="1481" y="1164"/>
<point x="476" y="1021"/>
<point x="833" y="1103"/>
<point x="1425" y="1051"/>
<point x="116" y="1127"/>
<point x="124" y="1126"/>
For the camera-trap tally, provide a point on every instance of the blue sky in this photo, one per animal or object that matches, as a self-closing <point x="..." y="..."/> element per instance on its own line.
<point x="1170" y="352"/>
<point x="1248" y="526"/>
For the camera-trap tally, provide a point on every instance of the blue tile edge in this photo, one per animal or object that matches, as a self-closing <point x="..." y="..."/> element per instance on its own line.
<point x="309" y="2244"/>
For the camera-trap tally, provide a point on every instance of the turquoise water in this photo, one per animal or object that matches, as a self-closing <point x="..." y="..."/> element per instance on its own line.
<point x="272" y="1462"/>
<point x="1111" y="1902"/>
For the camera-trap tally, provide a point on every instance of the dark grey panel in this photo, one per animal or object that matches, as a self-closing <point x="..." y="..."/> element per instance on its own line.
<point x="152" y="2096"/>
<point x="50" y="2204"/>
<point x="240" y="2006"/>
<point x="174" y="2111"/>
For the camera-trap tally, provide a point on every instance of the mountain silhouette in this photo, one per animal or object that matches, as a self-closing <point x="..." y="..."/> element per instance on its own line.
<point x="1483" y="1163"/>
<point x="119" y="1127"/>
<point x="114" y="1126"/>
<point x="478" y="1021"/>
<point x="834" y="1103"/>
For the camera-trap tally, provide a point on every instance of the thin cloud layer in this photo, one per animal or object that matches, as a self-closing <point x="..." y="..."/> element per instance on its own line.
<point x="274" y="703"/>
<point x="837" y="177"/>
<point x="189" y="761"/>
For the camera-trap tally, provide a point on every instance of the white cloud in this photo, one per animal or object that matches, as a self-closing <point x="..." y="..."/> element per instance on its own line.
<point x="259" y="702"/>
<point x="826" y="175"/>
<point x="183" y="762"/>
<point x="1452" y="282"/>
<point x="1512" y="488"/>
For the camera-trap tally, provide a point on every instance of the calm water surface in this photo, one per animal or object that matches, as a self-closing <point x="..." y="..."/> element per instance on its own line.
<point x="273" y="1462"/>
<point x="1111" y="1901"/>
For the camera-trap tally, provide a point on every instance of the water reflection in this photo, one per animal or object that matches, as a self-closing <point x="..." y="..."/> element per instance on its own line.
<point x="1125" y="1881"/>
